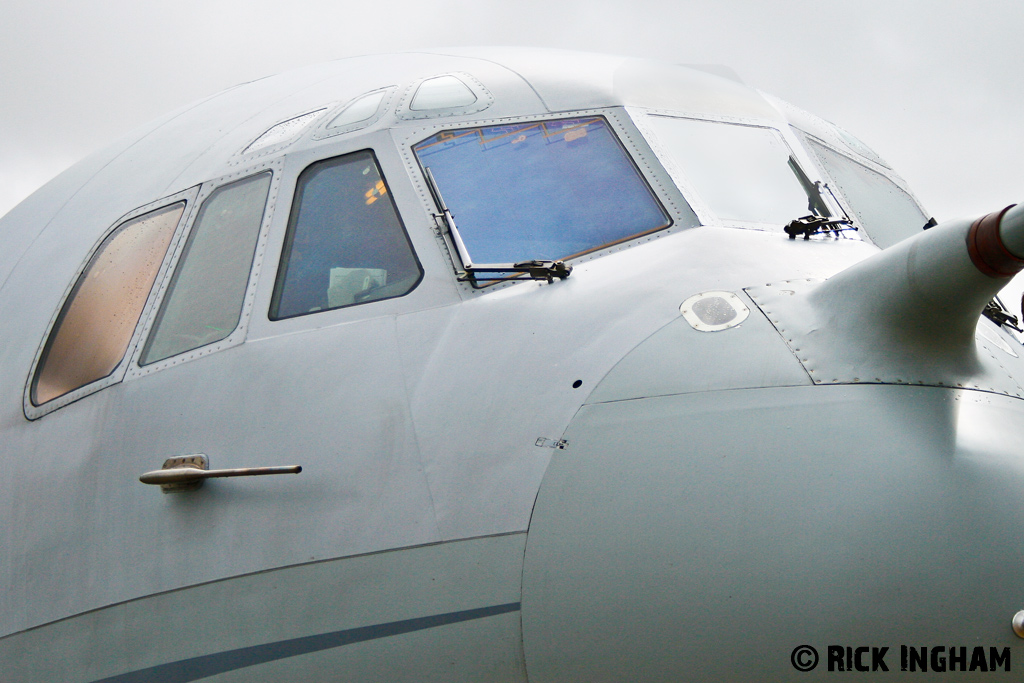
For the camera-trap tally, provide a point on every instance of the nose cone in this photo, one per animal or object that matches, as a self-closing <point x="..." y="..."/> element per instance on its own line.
<point x="705" y="536"/>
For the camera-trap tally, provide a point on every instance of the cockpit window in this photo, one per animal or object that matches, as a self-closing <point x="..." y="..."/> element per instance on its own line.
<point x="96" y="325"/>
<point x="204" y="299"/>
<point x="743" y="173"/>
<point x="543" y="190"/>
<point x="887" y="213"/>
<point x="345" y="243"/>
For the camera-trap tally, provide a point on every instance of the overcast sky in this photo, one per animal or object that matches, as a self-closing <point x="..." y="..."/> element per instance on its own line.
<point x="934" y="86"/>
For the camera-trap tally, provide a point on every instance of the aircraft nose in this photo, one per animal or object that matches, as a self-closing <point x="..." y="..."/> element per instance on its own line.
<point x="705" y="536"/>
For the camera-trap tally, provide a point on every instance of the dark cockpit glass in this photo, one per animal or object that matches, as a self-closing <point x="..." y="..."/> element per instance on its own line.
<point x="345" y="243"/>
<point x="543" y="190"/>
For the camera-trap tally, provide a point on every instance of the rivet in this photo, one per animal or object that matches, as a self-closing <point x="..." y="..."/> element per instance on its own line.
<point x="1018" y="623"/>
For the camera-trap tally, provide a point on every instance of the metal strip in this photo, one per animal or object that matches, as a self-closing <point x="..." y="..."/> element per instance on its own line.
<point x="196" y="668"/>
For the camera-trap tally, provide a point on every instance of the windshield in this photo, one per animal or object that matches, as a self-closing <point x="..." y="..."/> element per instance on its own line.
<point x="742" y="173"/>
<point x="540" y="190"/>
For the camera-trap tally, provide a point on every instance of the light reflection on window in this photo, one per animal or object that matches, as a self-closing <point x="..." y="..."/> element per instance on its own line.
<point x="98" y="320"/>
<point x="885" y="211"/>
<point x="741" y="172"/>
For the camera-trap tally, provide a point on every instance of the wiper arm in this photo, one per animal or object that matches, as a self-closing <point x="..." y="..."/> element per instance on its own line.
<point x="818" y="196"/>
<point x="536" y="269"/>
<point x="995" y="312"/>
<point x="812" y="225"/>
<point x="473" y="272"/>
<point x="815" y="202"/>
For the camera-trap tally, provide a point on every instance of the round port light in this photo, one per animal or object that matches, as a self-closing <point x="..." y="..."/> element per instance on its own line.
<point x="714" y="311"/>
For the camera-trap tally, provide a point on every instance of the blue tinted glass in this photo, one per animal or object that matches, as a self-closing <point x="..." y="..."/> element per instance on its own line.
<point x="541" y="190"/>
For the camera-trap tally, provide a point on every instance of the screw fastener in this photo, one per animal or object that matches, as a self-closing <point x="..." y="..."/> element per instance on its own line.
<point x="1018" y="623"/>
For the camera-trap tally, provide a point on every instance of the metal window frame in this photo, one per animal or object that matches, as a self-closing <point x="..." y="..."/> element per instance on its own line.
<point x="705" y="213"/>
<point x="237" y="336"/>
<point x="284" y="246"/>
<point x="889" y="174"/>
<point x="323" y="132"/>
<point x="34" y="412"/>
<point x="626" y="133"/>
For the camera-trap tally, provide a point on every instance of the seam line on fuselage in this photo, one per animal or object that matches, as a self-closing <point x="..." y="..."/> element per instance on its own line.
<point x="258" y="572"/>
<point x="195" y="668"/>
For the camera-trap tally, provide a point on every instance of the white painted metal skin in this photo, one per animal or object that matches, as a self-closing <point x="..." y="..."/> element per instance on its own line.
<point x="528" y="481"/>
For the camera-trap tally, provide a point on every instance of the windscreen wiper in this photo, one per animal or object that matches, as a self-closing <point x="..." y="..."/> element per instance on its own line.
<point x="477" y="272"/>
<point x="818" y="203"/>
<point x="812" y="225"/>
<point x="995" y="312"/>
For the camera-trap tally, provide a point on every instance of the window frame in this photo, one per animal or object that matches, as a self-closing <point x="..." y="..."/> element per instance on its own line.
<point x="323" y="132"/>
<point x="238" y="335"/>
<point x="885" y="171"/>
<point x="707" y="216"/>
<point x="284" y="247"/>
<point x="32" y="411"/>
<point x="637" y="150"/>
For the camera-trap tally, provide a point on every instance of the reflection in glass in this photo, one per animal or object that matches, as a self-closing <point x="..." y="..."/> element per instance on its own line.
<point x="345" y="243"/>
<point x="741" y="172"/>
<point x="542" y="190"/>
<point x="886" y="212"/>
<point x="96" y="324"/>
<point x="204" y="300"/>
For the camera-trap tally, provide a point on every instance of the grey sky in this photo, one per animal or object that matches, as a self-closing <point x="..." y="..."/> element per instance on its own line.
<point x="933" y="86"/>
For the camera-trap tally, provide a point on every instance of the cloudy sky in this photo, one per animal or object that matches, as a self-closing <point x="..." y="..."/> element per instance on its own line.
<point x="933" y="85"/>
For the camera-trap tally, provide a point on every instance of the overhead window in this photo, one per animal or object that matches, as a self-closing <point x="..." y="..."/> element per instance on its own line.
<point x="361" y="110"/>
<point x="743" y="173"/>
<point x="544" y="190"/>
<point x="442" y="92"/>
<point x="283" y="132"/>
<point x="345" y="243"/>
<point x="887" y="213"/>
<point x="204" y="300"/>
<point x="98" y="319"/>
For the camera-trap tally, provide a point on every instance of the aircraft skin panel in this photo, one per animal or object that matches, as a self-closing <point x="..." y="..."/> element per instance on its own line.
<point x="666" y="362"/>
<point x="336" y="87"/>
<point x="384" y="413"/>
<point x="769" y="518"/>
<point x="362" y="488"/>
<point x="717" y="415"/>
<point x="445" y="612"/>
